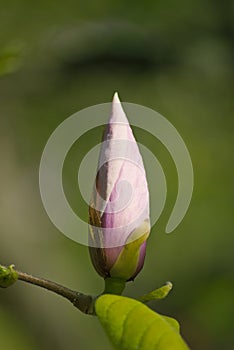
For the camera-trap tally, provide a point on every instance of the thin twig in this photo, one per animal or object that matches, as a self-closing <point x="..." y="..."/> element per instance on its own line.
<point x="83" y="302"/>
<point x="52" y="286"/>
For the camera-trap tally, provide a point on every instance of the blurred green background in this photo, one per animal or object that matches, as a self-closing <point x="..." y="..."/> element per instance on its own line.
<point x="59" y="57"/>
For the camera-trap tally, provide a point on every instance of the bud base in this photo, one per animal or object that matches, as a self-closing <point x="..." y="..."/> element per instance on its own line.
<point x="114" y="285"/>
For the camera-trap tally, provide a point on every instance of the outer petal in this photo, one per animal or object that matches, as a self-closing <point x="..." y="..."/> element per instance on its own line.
<point x="122" y="200"/>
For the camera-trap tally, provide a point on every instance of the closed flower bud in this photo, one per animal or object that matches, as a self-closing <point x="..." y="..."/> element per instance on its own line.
<point x="119" y="209"/>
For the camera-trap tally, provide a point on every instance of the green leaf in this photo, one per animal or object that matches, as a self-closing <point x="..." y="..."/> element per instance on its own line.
<point x="159" y="293"/>
<point x="131" y="325"/>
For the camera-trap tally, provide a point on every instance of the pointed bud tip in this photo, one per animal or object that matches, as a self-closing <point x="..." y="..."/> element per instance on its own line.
<point x="116" y="98"/>
<point x="117" y="114"/>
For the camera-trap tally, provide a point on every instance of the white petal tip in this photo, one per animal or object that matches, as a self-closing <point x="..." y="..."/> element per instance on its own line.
<point x="116" y="98"/>
<point x="117" y="114"/>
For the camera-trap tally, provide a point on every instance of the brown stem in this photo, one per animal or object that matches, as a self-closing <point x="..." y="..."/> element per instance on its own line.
<point x="83" y="302"/>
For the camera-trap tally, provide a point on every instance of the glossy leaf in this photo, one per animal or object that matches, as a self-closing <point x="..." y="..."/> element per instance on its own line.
<point x="131" y="325"/>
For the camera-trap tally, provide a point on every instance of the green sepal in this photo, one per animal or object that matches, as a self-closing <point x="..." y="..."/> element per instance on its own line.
<point x="159" y="293"/>
<point x="131" y="325"/>
<point x="127" y="261"/>
<point x="8" y="276"/>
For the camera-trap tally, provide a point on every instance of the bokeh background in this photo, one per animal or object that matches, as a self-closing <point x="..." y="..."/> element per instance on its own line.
<point x="59" y="57"/>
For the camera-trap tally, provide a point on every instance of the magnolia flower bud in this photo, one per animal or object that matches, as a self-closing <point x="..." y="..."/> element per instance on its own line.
<point x="119" y="208"/>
